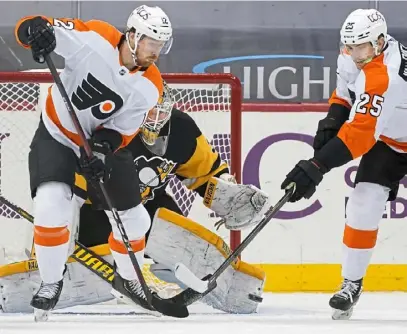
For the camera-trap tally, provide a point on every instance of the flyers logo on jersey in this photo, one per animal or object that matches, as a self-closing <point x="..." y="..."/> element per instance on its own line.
<point x="95" y="95"/>
<point x="153" y="174"/>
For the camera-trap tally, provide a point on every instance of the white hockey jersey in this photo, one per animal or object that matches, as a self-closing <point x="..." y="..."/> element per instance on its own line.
<point x="102" y="90"/>
<point x="377" y="98"/>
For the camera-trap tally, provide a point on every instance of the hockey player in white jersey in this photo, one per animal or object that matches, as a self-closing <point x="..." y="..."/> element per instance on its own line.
<point x="170" y="145"/>
<point x="112" y="82"/>
<point x="367" y="119"/>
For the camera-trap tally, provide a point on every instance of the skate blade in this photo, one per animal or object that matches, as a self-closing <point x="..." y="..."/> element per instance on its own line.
<point x="128" y="301"/>
<point x="40" y="315"/>
<point x="342" y="315"/>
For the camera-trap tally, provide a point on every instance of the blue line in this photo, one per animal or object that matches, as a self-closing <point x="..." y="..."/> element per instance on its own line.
<point x="201" y="67"/>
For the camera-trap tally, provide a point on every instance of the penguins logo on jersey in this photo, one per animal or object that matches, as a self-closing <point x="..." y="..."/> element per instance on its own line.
<point x="95" y="95"/>
<point x="153" y="174"/>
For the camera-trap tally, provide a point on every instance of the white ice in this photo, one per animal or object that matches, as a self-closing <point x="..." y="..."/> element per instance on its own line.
<point x="384" y="313"/>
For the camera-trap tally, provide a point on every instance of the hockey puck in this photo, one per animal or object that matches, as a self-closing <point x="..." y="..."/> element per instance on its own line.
<point x="255" y="298"/>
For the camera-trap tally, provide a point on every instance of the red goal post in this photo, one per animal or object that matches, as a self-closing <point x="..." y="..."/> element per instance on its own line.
<point x="213" y="100"/>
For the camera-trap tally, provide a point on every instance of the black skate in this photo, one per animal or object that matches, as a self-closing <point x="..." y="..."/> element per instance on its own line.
<point x="45" y="299"/>
<point x="131" y="293"/>
<point x="343" y="301"/>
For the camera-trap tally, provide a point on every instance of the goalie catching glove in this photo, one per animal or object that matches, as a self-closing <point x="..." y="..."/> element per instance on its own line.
<point x="240" y="205"/>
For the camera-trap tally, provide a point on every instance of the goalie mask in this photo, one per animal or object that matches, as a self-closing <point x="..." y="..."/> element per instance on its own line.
<point x="152" y="27"/>
<point x="155" y="120"/>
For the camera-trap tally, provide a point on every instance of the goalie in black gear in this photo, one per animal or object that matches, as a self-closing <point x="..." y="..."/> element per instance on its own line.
<point x="171" y="144"/>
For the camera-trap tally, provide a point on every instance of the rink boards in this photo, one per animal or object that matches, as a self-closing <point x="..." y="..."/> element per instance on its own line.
<point x="300" y="250"/>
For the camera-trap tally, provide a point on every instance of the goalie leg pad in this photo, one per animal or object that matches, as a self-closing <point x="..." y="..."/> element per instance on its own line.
<point x="81" y="287"/>
<point x="241" y="205"/>
<point x="174" y="238"/>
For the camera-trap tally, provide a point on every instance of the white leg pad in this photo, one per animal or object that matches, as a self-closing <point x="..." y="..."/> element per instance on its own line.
<point x="174" y="238"/>
<point x="81" y="287"/>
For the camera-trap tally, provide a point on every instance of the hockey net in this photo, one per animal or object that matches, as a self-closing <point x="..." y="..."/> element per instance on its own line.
<point x="213" y="100"/>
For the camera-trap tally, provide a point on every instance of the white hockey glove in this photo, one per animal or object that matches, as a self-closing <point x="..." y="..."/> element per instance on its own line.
<point x="240" y="205"/>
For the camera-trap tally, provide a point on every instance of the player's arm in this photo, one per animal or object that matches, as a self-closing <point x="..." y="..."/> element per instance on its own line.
<point x="377" y="94"/>
<point x="204" y="172"/>
<point x="339" y="108"/>
<point x="65" y="36"/>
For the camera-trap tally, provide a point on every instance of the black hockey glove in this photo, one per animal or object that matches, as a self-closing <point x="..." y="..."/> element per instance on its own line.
<point x="104" y="143"/>
<point x="94" y="169"/>
<point x="329" y="126"/>
<point x="39" y="34"/>
<point x="306" y="175"/>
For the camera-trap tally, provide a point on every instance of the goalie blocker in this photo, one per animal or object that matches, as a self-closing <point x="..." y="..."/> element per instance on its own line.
<point x="173" y="239"/>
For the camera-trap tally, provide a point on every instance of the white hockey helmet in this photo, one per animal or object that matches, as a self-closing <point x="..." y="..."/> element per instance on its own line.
<point x="364" y="25"/>
<point x="151" y="22"/>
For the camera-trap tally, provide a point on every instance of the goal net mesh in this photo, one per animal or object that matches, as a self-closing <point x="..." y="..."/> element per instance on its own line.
<point x="208" y="104"/>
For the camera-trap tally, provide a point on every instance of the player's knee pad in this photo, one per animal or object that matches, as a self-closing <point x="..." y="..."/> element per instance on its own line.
<point x="53" y="205"/>
<point x="174" y="238"/>
<point x="136" y="222"/>
<point x="366" y="205"/>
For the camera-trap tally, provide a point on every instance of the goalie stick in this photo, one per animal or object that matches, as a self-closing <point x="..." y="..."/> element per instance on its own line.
<point x="189" y="296"/>
<point x="162" y="305"/>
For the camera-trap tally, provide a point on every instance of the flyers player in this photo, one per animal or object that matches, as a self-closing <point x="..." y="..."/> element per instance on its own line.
<point x="365" y="119"/>
<point x="171" y="144"/>
<point x="112" y="82"/>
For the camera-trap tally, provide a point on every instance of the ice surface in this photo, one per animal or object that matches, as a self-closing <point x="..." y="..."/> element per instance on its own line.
<point x="384" y="313"/>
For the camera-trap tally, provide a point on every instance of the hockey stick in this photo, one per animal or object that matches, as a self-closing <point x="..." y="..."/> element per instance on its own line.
<point x="162" y="305"/>
<point x="93" y="261"/>
<point x="189" y="296"/>
<point x="81" y="254"/>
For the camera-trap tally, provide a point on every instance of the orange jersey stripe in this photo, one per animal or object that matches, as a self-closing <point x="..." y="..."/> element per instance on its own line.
<point x="119" y="247"/>
<point x="338" y="100"/>
<point x="19" y="23"/>
<point x="394" y="143"/>
<point x="359" y="239"/>
<point x="359" y="134"/>
<point x="153" y="74"/>
<point x="51" y="236"/>
<point x="53" y="116"/>
<point x="128" y="138"/>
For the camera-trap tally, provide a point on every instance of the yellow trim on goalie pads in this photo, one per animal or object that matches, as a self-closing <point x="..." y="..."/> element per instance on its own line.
<point x="31" y="265"/>
<point x="213" y="239"/>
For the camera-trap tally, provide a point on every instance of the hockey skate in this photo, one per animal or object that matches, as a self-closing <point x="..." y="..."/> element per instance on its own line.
<point x="344" y="300"/>
<point x="45" y="299"/>
<point x="131" y="292"/>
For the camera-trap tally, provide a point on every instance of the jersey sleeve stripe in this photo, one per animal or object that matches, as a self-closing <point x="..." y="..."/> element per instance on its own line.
<point x="128" y="138"/>
<point x="153" y="74"/>
<point x="338" y="100"/>
<point x="16" y="31"/>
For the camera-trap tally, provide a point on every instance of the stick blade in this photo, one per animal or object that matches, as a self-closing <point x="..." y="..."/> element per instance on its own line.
<point x="169" y="307"/>
<point x="185" y="275"/>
